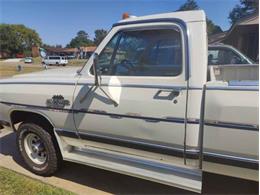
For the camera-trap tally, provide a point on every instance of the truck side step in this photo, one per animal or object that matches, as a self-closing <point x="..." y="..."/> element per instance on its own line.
<point x="181" y="177"/>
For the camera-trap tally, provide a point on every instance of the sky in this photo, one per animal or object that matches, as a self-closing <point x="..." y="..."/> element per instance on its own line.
<point x="58" y="21"/>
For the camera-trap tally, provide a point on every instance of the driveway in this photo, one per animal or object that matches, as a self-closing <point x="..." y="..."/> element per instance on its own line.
<point x="88" y="180"/>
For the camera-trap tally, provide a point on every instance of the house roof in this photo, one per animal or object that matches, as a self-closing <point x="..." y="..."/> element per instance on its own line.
<point x="252" y="19"/>
<point x="85" y="49"/>
<point x="215" y="38"/>
<point x="88" y="49"/>
<point x="70" y="49"/>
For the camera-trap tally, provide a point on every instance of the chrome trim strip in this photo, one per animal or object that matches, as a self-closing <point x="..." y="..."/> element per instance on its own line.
<point x="240" y="126"/>
<point x="135" y="143"/>
<point x="227" y="88"/>
<point x="66" y="133"/>
<point x="192" y="153"/>
<point x="141" y="144"/>
<point x="107" y="85"/>
<point x="231" y="160"/>
<point x="233" y="88"/>
<point x="244" y="83"/>
<point x="37" y="83"/>
<point x="37" y="107"/>
<point x="221" y="124"/>
<point x="226" y="156"/>
<point x="147" y="163"/>
<point x="144" y="86"/>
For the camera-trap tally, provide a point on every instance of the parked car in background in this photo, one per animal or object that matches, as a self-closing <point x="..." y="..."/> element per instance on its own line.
<point x="55" y="60"/>
<point x="19" y="55"/>
<point x="220" y="54"/>
<point x="71" y="57"/>
<point x="28" y="60"/>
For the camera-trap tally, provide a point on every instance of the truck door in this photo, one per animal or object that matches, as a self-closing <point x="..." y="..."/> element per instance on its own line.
<point x="141" y="106"/>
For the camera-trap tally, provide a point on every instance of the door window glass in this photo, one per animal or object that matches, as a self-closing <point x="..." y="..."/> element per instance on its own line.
<point x="155" y="52"/>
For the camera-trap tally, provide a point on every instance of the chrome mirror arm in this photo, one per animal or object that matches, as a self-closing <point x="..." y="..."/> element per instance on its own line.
<point x="98" y="79"/>
<point x="109" y="97"/>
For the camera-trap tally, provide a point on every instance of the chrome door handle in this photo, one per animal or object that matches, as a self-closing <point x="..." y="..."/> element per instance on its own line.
<point x="167" y="94"/>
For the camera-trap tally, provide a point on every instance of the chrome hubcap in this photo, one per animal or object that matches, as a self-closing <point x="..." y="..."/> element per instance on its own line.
<point x="35" y="148"/>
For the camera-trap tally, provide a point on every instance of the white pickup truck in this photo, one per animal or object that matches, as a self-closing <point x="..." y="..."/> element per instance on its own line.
<point x="146" y="105"/>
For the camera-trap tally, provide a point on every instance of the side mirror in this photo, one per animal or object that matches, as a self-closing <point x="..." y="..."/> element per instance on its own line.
<point x="97" y="81"/>
<point x="43" y="53"/>
<point x="95" y="68"/>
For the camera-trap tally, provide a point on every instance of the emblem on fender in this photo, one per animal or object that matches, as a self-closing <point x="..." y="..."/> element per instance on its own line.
<point x="57" y="101"/>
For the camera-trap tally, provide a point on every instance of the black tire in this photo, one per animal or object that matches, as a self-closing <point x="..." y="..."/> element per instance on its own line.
<point x="53" y="160"/>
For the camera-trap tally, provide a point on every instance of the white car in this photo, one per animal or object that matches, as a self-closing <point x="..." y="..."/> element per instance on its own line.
<point x="55" y="60"/>
<point x="28" y="60"/>
<point x="141" y="106"/>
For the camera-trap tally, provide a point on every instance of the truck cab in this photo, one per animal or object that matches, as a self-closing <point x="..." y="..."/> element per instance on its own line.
<point x="148" y="66"/>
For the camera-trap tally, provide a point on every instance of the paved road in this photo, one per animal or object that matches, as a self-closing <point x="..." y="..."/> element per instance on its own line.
<point x="87" y="180"/>
<point x="15" y="64"/>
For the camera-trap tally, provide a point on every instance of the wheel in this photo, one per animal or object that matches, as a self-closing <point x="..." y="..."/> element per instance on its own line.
<point x="63" y="64"/>
<point x="38" y="149"/>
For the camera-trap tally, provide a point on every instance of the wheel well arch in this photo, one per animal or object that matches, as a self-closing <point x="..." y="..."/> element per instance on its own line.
<point x="18" y="116"/>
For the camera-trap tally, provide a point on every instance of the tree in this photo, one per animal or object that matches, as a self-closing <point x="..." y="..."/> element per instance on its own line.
<point x="212" y="28"/>
<point x="245" y="8"/>
<point x="81" y="40"/>
<point x="45" y="45"/>
<point x="189" y="5"/>
<point x="192" y="5"/>
<point x="17" y="38"/>
<point x="99" y="36"/>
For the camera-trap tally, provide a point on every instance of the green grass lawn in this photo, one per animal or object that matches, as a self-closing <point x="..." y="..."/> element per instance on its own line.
<point x="77" y="62"/>
<point x="7" y="71"/>
<point x="37" y="60"/>
<point x="12" y="183"/>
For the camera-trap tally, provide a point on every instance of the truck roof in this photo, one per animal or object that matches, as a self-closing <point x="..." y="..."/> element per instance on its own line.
<point x="186" y="16"/>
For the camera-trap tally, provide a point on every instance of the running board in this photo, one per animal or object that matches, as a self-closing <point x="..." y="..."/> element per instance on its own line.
<point x="180" y="177"/>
